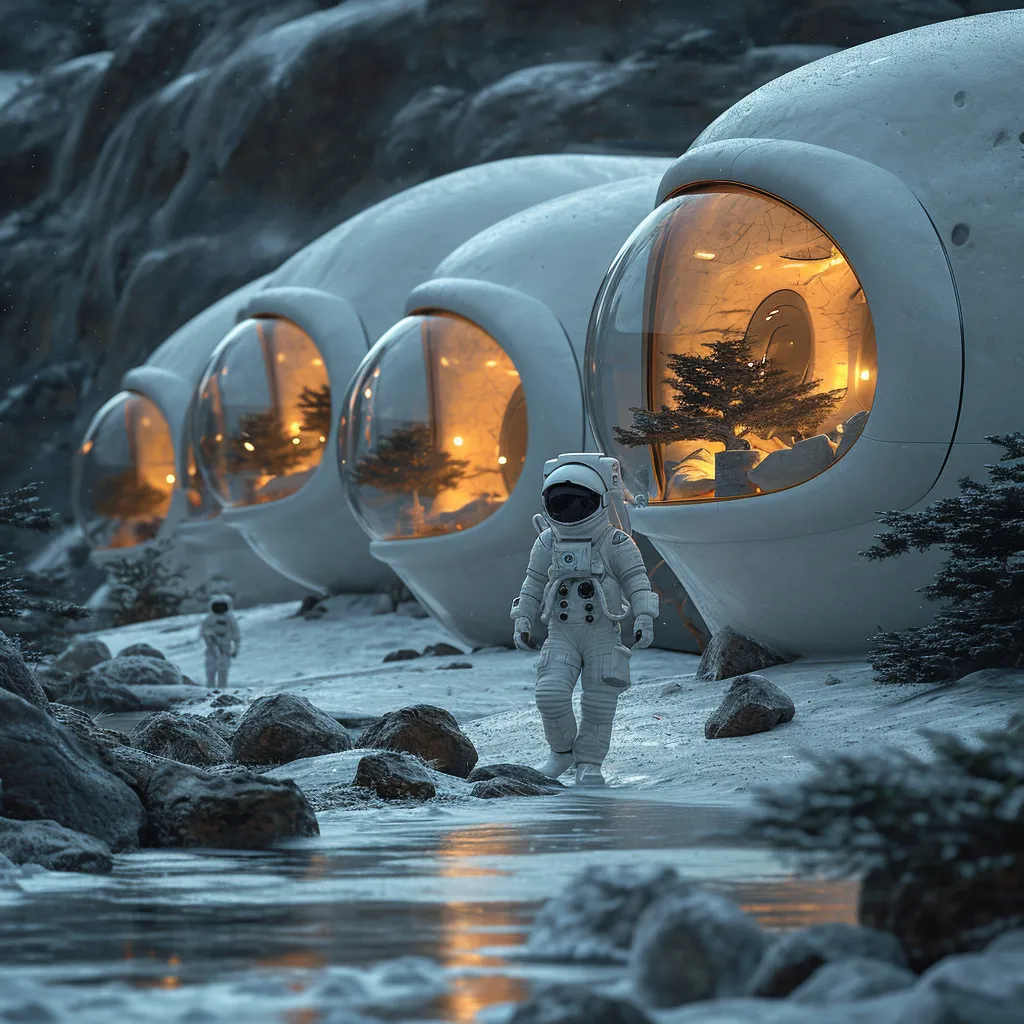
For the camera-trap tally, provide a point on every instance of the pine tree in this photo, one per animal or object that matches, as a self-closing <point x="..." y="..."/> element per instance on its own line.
<point x="724" y="395"/>
<point x="982" y="581"/>
<point x="262" y="446"/>
<point x="127" y="496"/>
<point x="32" y="601"/>
<point x="149" y="584"/>
<point x="315" y="407"/>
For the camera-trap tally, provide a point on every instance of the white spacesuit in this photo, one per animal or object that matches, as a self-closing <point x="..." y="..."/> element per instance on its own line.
<point x="222" y="637"/>
<point x="583" y="564"/>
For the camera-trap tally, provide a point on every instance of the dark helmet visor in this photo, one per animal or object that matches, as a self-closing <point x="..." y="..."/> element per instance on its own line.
<point x="570" y="503"/>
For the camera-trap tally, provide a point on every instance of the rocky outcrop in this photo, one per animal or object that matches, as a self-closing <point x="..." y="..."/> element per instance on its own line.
<point x="428" y="732"/>
<point x="16" y="678"/>
<point x="392" y="776"/>
<point x="235" y="811"/>
<point x="285" y="727"/>
<point x="48" y="773"/>
<point x="694" y="946"/>
<point x="81" y="723"/>
<point x="53" y="847"/>
<point x="752" y="704"/>
<point x="729" y="654"/>
<point x="185" y="738"/>
<point x="795" y="957"/>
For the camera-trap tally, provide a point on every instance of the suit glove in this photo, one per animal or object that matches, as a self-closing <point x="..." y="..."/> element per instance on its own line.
<point x="521" y="634"/>
<point x="643" y="631"/>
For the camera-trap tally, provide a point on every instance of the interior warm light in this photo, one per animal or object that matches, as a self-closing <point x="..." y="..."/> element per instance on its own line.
<point x="296" y="428"/>
<point x="317" y="362"/>
<point x="219" y="438"/>
<point x="87" y="447"/>
<point x="280" y="357"/>
<point x="444" y="361"/>
<point x="502" y="460"/>
<point x="491" y="362"/>
<point x="376" y="372"/>
<point x="296" y="440"/>
<point x="170" y="478"/>
<point x="457" y="441"/>
<point x="704" y="255"/>
<point x="323" y="440"/>
<point x="368" y="393"/>
<point x="865" y="375"/>
<point x="249" y="446"/>
<point x="757" y="266"/>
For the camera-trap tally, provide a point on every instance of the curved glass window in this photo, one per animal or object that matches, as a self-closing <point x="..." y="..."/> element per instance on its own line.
<point x="263" y="413"/>
<point x="124" y="473"/>
<point x="438" y="429"/>
<point x="200" y="502"/>
<point x="731" y="350"/>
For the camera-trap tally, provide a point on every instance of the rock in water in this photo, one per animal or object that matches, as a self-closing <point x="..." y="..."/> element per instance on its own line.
<point x="48" y="773"/>
<point x="848" y="980"/>
<point x="142" y="650"/>
<point x="795" y="957"/>
<point x="694" y="946"/>
<point x="284" y="727"/>
<point x="82" y="725"/>
<point x="574" y="1004"/>
<point x="16" y="678"/>
<point x="237" y="811"/>
<point x="53" y="847"/>
<point x="394" y="776"/>
<point x="185" y="738"/>
<point x="729" y="654"/>
<point x="594" y="919"/>
<point x="81" y="655"/>
<point x="428" y="732"/>
<point x="501" y="780"/>
<point x="752" y="704"/>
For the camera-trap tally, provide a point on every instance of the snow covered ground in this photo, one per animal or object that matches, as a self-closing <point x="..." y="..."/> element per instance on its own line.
<point x="658" y="744"/>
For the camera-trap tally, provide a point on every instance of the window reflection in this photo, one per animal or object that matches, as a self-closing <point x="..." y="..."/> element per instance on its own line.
<point x="439" y="429"/>
<point x="731" y="351"/>
<point x="125" y="473"/>
<point x="263" y="414"/>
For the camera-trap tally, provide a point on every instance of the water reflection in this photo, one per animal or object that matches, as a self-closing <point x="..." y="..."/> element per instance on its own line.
<point x="379" y="886"/>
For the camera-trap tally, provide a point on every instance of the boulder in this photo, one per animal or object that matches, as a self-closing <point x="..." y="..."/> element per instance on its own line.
<point x="852" y="429"/>
<point x="500" y="780"/>
<point x="594" y="919"/>
<point x="694" y="946"/>
<point x="790" y="466"/>
<point x="93" y="693"/>
<point x="142" y="650"/>
<point x="1008" y="942"/>
<point x="752" y="704"/>
<point x="284" y="727"/>
<point x="224" y="721"/>
<point x="83" y="726"/>
<point x="81" y="655"/>
<point x="734" y="472"/>
<point x="133" y="670"/>
<point x="430" y="733"/>
<point x="729" y="654"/>
<point x="844" y="981"/>
<point x="185" y="738"/>
<point x="405" y="654"/>
<point x="15" y="676"/>
<point x="574" y="1004"/>
<point x="393" y="776"/>
<point x="226" y="700"/>
<point x="49" y="773"/>
<point x="441" y="650"/>
<point x="53" y="847"/>
<point x="238" y="811"/>
<point x="134" y="767"/>
<point x="795" y="957"/>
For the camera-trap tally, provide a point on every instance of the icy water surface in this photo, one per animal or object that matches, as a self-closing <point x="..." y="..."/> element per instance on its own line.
<point x="396" y="914"/>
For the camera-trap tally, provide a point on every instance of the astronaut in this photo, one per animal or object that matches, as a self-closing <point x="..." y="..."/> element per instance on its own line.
<point x="586" y="575"/>
<point x="223" y="639"/>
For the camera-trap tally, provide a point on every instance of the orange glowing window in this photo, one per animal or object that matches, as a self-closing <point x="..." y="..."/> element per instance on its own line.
<point x="731" y="351"/>
<point x="124" y="475"/>
<point x="261" y="419"/>
<point x="440" y="429"/>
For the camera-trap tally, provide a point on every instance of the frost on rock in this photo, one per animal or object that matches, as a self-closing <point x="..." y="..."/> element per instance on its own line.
<point x="595" y="918"/>
<point x="185" y="738"/>
<point x="53" y="847"/>
<point x="694" y="946"/>
<point x="284" y="727"/>
<point x="428" y="732"/>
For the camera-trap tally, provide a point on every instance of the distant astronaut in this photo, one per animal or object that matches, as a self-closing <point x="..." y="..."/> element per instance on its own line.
<point x="583" y="564"/>
<point x="223" y="639"/>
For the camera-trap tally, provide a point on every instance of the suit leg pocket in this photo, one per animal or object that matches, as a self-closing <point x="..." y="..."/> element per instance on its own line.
<point x="615" y="667"/>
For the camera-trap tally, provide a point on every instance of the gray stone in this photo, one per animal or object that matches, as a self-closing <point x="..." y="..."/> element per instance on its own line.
<point x="845" y="981"/>
<point x="185" y="738"/>
<point x="795" y="957"/>
<point x="972" y="988"/>
<point x="53" y="847"/>
<point x="82" y="725"/>
<point x="694" y="946"/>
<point x="790" y="466"/>
<point x="734" y="472"/>
<point x="284" y="727"/>
<point x="729" y="654"/>
<point x="441" y="650"/>
<point x="832" y="680"/>
<point x="594" y="919"/>
<point x="852" y="429"/>
<point x="226" y="700"/>
<point x="752" y="704"/>
<point x="430" y="733"/>
<point x="393" y="776"/>
<point x="495" y="781"/>
<point x="49" y="773"/>
<point x="81" y="655"/>
<point x="574" y="1004"/>
<point x="1009" y="942"/>
<point x="237" y="811"/>
<point x="405" y="654"/>
<point x="670" y="690"/>
<point x="15" y="676"/>
<point x="142" y="650"/>
<point x="136" y="670"/>
<point x="93" y="693"/>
